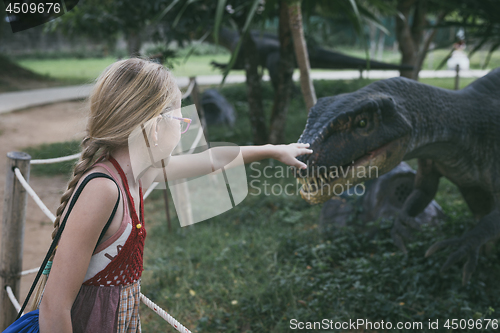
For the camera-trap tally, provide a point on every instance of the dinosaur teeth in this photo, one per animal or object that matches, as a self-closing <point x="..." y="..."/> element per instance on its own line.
<point x="316" y="181"/>
<point x="301" y="181"/>
<point x="332" y="175"/>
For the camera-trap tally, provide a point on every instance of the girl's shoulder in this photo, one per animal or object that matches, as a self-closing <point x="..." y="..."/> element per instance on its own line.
<point x="99" y="183"/>
<point x="99" y="187"/>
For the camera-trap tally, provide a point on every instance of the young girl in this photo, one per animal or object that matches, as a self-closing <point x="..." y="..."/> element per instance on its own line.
<point x="96" y="288"/>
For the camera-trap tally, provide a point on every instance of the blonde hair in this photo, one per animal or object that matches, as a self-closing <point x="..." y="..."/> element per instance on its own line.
<point x="126" y="94"/>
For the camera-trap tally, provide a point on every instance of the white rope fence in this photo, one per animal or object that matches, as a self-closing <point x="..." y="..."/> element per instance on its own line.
<point x="32" y="194"/>
<point x="150" y="189"/>
<point x="189" y="89"/>
<point x="13" y="299"/>
<point x="158" y="310"/>
<point x="168" y="318"/>
<point x="57" y="159"/>
<point x="30" y="271"/>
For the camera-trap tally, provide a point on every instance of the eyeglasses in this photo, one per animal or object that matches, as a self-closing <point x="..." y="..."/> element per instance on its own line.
<point x="185" y="122"/>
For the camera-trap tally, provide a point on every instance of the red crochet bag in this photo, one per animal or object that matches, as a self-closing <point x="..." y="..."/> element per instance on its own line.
<point x="127" y="266"/>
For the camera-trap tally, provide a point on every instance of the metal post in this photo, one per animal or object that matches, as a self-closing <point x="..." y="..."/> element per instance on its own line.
<point x="167" y="210"/>
<point x="14" y="217"/>
<point x="195" y="95"/>
<point x="457" y="77"/>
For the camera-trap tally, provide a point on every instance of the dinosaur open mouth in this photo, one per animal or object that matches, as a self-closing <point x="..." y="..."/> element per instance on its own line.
<point x="318" y="185"/>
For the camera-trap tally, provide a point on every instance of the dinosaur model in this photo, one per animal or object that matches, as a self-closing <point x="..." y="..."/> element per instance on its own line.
<point x="453" y="134"/>
<point x="268" y="52"/>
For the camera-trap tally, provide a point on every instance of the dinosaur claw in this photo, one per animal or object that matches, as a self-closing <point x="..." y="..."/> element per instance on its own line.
<point x="470" y="266"/>
<point x="400" y="232"/>
<point x="439" y="245"/>
<point x="430" y="251"/>
<point x="472" y="252"/>
<point x="398" y="241"/>
<point x="453" y="258"/>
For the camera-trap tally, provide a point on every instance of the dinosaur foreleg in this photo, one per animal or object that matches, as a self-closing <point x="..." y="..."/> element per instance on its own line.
<point x="469" y="243"/>
<point x="424" y="190"/>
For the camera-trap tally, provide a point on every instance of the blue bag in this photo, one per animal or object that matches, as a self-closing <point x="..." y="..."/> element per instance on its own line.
<point x="26" y="324"/>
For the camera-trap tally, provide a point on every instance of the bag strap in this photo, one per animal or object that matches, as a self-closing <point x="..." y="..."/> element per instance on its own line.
<point x="63" y="224"/>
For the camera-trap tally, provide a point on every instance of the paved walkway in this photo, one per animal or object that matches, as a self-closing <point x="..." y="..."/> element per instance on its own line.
<point x="25" y="99"/>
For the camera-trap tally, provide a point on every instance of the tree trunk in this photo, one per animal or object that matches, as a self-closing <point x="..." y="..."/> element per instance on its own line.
<point x="373" y="42"/>
<point x="2" y="24"/>
<point x="380" y="46"/>
<point x="413" y="43"/>
<point x="425" y="47"/>
<point x="299" y="43"/>
<point x="133" y="43"/>
<point x="254" y="91"/>
<point x="284" y="83"/>
<point x="404" y="36"/>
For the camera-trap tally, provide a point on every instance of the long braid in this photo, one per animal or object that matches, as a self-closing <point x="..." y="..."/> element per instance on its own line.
<point x="90" y="149"/>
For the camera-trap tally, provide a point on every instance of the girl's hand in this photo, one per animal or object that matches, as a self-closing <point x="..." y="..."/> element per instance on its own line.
<point x="287" y="154"/>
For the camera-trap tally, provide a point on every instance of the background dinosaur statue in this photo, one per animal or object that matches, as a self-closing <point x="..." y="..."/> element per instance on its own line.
<point x="453" y="134"/>
<point x="268" y="52"/>
<point x="382" y="198"/>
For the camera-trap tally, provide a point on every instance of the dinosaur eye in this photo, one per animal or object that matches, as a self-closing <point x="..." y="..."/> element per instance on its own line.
<point x="362" y="123"/>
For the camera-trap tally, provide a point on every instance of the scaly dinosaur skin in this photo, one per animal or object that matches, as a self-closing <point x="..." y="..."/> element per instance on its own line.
<point x="454" y="134"/>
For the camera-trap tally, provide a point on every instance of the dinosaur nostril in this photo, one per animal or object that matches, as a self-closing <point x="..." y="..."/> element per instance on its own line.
<point x="301" y="173"/>
<point x="303" y="158"/>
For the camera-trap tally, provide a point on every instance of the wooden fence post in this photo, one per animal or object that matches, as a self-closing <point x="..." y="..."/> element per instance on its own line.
<point x="14" y="217"/>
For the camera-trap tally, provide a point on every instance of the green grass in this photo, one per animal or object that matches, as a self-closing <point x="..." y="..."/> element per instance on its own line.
<point x="73" y="70"/>
<point x="257" y="266"/>
<point x="200" y="65"/>
<point x="53" y="150"/>
<point x="70" y="70"/>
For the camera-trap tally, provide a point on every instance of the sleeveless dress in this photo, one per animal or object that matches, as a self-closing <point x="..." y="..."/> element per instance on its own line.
<point x="108" y="300"/>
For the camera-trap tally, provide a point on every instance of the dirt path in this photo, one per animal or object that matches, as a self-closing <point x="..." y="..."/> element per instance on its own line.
<point x="46" y="124"/>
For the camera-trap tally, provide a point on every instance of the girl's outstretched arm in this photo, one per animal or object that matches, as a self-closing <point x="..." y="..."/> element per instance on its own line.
<point x="284" y="153"/>
<point x="213" y="159"/>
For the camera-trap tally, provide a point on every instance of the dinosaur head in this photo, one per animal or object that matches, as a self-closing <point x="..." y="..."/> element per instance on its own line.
<point x="354" y="137"/>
